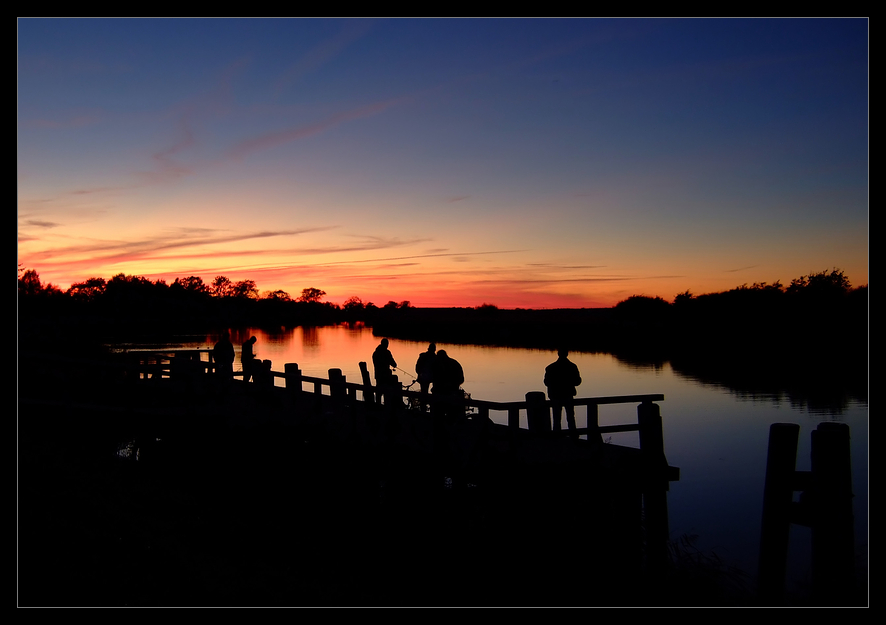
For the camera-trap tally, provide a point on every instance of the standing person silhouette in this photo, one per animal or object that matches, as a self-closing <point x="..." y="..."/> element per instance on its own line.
<point x="561" y="378"/>
<point x="223" y="356"/>
<point x="424" y="369"/>
<point x="247" y="358"/>
<point x="448" y="412"/>
<point x="382" y="361"/>
<point x="448" y="377"/>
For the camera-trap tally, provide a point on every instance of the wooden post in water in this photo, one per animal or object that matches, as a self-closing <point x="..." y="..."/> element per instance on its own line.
<point x="655" y="502"/>
<point x="538" y="414"/>
<point x="833" y="537"/>
<point x="778" y="494"/>
<point x="368" y="395"/>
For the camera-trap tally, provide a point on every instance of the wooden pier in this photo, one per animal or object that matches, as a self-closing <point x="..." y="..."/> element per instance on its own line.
<point x="517" y="434"/>
<point x="336" y="402"/>
<point x="347" y="474"/>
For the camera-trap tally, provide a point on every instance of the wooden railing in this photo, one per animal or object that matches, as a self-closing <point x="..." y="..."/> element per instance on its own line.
<point x="535" y="410"/>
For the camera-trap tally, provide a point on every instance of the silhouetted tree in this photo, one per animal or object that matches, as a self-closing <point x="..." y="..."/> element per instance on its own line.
<point x="311" y="295"/>
<point x="353" y="303"/>
<point x="191" y="284"/>
<point x="221" y="287"/>
<point x="825" y="283"/>
<point x="244" y="289"/>
<point x="29" y="283"/>
<point x="89" y="290"/>
<point x="278" y="295"/>
<point x="642" y="307"/>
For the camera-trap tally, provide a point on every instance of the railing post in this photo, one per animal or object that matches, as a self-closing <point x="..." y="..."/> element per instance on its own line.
<point x="538" y="414"/>
<point x="513" y="420"/>
<point x="778" y="493"/>
<point x="337" y="385"/>
<point x="292" y="376"/>
<point x="651" y="432"/>
<point x="352" y="396"/>
<point x="393" y="395"/>
<point x="833" y="538"/>
<point x="594" y="435"/>
<point x="266" y="377"/>
<point x="368" y="395"/>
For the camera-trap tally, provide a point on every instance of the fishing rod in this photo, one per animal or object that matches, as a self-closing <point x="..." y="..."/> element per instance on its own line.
<point x="406" y="372"/>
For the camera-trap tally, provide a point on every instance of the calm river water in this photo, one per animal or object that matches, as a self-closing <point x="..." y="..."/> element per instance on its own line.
<point x="716" y="436"/>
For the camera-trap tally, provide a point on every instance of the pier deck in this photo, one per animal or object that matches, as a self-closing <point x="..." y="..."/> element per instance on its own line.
<point x="262" y="496"/>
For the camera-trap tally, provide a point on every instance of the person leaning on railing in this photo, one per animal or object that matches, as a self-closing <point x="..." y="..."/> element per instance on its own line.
<point x="247" y="358"/>
<point x="561" y="378"/>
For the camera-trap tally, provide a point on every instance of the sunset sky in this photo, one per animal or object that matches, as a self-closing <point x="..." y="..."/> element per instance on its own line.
<point x="522" y="163"/>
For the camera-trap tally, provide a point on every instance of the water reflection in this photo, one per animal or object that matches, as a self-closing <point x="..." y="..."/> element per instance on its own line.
<point x="310" y="338"/>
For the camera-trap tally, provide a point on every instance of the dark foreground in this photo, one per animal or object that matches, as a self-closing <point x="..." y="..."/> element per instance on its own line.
<point x="225" y="508"/>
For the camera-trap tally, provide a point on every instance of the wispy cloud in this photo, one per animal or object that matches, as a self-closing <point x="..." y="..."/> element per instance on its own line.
<point x="282" y="137"/>
<point x="375" y="260"/>
<point x="99" y="251"/>
<point x="741" y="269"/>
<point x="37" y="223"/>
<point x="322" y="54"/>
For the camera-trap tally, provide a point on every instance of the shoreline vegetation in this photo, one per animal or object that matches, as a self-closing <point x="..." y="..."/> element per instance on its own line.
<point x="808" y="339"/>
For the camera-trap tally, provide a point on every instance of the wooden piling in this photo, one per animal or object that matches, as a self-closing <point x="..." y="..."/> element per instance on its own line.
<point x="833" y="537"/>
<point x="655" y="484"/>
<point x="778" y="493"/>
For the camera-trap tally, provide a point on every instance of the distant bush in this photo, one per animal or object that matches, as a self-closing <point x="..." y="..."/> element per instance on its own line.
<point x="638" y="307"/>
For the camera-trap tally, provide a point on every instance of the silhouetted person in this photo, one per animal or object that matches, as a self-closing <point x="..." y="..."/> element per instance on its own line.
<point x="561" y="378"/>
<point x="424" y="369"/>
<point x="382" y="361"/>
<point x="448" y="376"/>
<point x="448" y="411"/>
<point x="223" y="356"/>
<point x="247" y="358"/>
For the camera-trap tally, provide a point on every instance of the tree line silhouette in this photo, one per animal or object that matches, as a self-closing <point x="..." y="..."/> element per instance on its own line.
<point x="188" y="302"/>
<point x="814" y="312"/>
